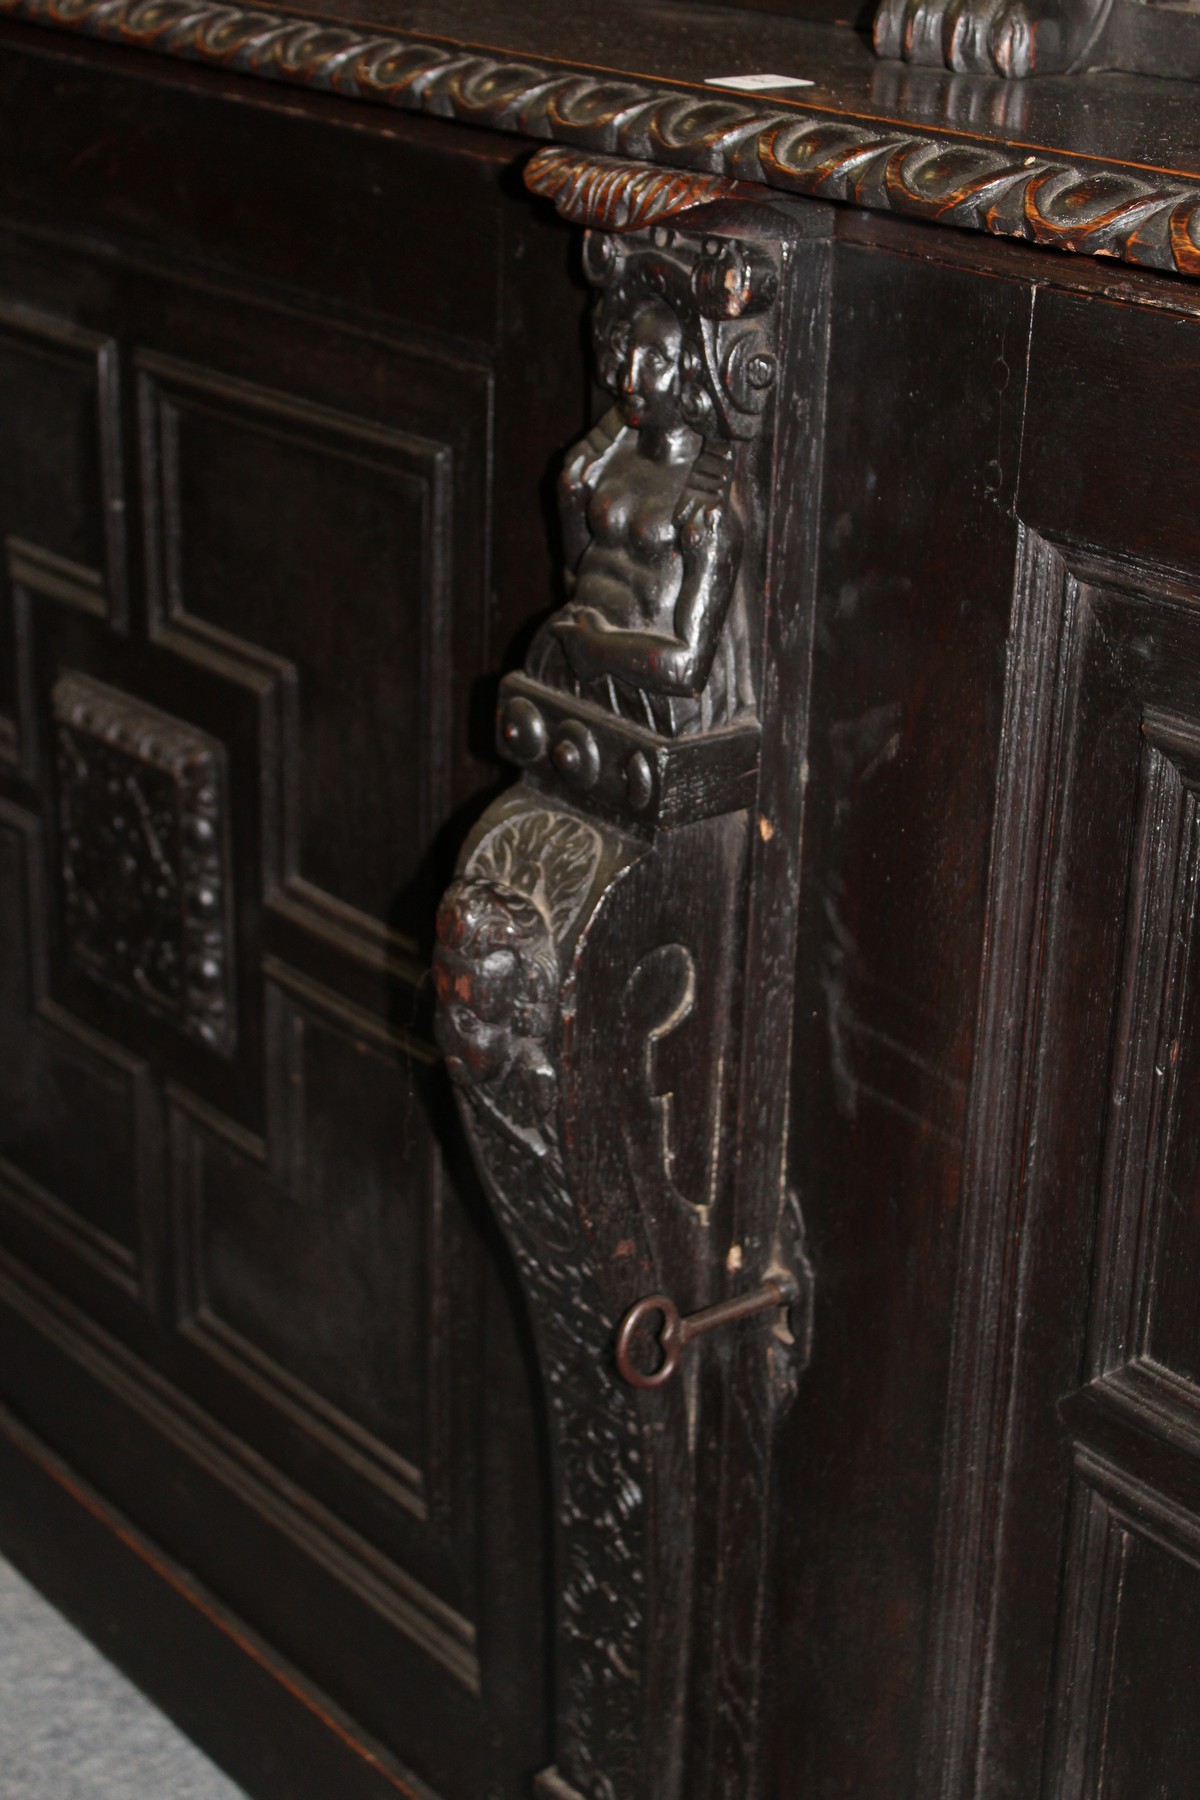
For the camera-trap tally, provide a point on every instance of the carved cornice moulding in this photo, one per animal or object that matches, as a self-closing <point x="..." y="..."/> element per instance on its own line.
<point x="1091" y="208"/>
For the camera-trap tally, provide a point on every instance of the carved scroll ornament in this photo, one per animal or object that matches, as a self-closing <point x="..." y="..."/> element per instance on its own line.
<point x="505" y="931"/>
<point x="588" y="953"/>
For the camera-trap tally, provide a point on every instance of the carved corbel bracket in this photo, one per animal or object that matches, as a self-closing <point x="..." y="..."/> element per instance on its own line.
<point x="591" y="960"/>
<point x="610" y="194"/>
<point x="590" y="1048"/>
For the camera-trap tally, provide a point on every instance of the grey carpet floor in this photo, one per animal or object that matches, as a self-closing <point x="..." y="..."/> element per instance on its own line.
<point x="73" y="1728"/>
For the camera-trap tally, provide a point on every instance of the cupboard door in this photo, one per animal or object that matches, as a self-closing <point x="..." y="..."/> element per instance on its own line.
<point x="250" y="1303"/>
<point x="1078" y="1602"/>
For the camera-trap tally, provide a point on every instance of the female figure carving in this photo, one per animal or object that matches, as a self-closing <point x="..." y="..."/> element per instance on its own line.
<point x="651" y="531"/>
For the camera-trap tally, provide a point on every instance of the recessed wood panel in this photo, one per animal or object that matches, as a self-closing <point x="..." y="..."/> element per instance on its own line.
<point x="58" y="479"/>
<point x="337" y="546"/>
<point x="1158" y="1256"/>
<point x="323" y="539"/>
<point x="317" y="1257"/>
<point x="1098" y="889"/>
<point x="1127" y="1725"/>
<point x="73" y="1122"/>
<point x="1149" y="1743"/>
<point x="60" y="469"/>
<point x="1148" y="1257"/>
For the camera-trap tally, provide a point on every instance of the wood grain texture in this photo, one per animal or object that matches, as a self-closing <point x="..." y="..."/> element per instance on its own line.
<point x="908" y="654"/>
<point x="985" y="1320"/>
<point x="885" y="963"/>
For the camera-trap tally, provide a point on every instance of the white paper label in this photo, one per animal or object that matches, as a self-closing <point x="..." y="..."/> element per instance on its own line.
<point x="753" y="84"/>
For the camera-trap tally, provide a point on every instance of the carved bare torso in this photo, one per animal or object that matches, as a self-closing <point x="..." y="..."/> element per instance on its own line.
<point x="632" y="570"/>
<point x="653" y="543"/>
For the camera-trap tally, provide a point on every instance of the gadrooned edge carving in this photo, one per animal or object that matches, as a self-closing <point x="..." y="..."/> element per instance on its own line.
<point x="504" y="933"/>
<point x="1091" y="210"/>
<point x="145" y="887"/>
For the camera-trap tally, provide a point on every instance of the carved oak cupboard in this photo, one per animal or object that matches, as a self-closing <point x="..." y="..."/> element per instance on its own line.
<point x="599" y="739"/>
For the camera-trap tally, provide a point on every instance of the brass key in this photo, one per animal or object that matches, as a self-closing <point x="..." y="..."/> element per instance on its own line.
<point x="676" y="1332"/>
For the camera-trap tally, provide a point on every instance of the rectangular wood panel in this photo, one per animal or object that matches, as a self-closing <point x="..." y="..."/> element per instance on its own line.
<point x="61" y="469"/>
<point x="323" y="539"/>
<point x="1127" y="1722"/>
<point x="78" y="1145"/>
<point x="316" y="1268"/>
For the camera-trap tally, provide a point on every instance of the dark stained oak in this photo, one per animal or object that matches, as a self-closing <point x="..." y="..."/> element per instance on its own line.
<point x="789" y="678"/>
<point x="1103" y="168"/>
<point x="251" y="589"/>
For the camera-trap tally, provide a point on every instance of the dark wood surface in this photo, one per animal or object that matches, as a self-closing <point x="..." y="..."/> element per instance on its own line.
<point x="996" y="898"/>
<point x="252" y="585"/>
<point x="1103" y="167"/>
<point x="285" y="383"/>
<point x="1123" y="118"/>
<point x="611" y="914"/>
<point x="1139" y="121"/>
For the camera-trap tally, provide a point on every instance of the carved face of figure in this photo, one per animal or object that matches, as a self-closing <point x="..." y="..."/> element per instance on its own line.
<point x="648" y="347"/>
<point x="476" y="1002"/>
<point x="494" y="971"/>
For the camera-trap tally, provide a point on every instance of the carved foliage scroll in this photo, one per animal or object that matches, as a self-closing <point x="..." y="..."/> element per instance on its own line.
<point x="506" y="930"/>
<point x="144" y="872"/>
<point x="620" y="196"/>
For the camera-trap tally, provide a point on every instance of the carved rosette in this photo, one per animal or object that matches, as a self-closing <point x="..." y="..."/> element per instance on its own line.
<point x="145" y="886"/>
<point x="589" y="952"/>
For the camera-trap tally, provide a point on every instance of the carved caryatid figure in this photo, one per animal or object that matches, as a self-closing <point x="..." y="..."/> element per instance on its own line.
<point x="560" y="943"/>
<point x="654" y="629"/>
